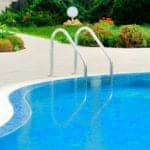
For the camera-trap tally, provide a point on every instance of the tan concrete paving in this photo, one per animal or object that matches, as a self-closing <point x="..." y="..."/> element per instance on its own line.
<point x="34" y="62"/>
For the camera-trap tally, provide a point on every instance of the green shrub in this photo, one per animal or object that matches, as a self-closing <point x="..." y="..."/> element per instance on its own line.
<point x="131" y="11"/>
<point x="16" y="41"/>
<point x="148" y="41"/>
<point x="131" y="36"/>
<point x="86" y="40"/>
<point x="5" y="45"/>
<point x="100" y="31"/>
<point x="9" y="17"/>
<point x="4" y="31"/>
<point x="43" y="18"/>
<point x="29" y="18"/>
<point x="103" y="33"/>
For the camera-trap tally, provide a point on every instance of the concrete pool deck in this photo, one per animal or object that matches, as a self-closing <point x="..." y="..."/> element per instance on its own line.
<point x="33" y="62"/>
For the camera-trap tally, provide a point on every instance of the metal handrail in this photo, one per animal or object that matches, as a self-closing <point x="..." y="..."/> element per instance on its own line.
<point x="66" y="123"/>
<point x="102" y="48"/>
<point x="85" y="28"/>
<point x="72" y="43"/>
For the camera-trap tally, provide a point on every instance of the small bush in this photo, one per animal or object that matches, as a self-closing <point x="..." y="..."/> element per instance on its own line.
<point x="86" y="40"/>
<point x="16" y="41"/>
<point x="103" y="33"/>
<point x="9" y="17"/>
<point x="106" y="20"/>
<point x="38" y="18"/>
<point x="44" y="18"/>
<point x="148" y="41"/>
<point x="4" y="31"/>
<point x="131" y="36"/>
<point x="5" y="45"/>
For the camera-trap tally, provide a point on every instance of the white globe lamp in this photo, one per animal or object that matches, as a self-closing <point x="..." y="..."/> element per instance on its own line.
<point x="72" y="12"/>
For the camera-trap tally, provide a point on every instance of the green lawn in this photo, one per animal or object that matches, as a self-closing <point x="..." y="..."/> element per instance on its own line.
<point x="46" y="31"/>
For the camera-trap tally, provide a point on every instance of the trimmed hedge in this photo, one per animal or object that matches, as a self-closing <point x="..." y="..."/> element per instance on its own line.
<point x="131" y="36"/>
<point x="5" y="45"/>
<point x="16" y="41"/>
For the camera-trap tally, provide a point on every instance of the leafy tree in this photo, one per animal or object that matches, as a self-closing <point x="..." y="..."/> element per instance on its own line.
<point x="131" y="11"/>
<point x="89" y="10"/>
<point x="32" y="11"/>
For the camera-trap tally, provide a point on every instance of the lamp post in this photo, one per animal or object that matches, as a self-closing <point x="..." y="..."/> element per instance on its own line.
<point x="72" y="12"/>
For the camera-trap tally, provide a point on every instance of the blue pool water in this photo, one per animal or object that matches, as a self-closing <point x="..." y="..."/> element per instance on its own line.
<point x="65" y="118"/>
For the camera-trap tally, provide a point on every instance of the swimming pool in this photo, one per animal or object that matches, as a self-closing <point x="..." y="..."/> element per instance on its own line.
<point x="62" y="115"/>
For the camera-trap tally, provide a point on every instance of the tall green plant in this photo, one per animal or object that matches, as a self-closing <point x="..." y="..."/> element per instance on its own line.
<point x="4" y="32"/>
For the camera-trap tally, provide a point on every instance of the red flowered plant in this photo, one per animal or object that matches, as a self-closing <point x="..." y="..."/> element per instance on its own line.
<point x="107" y="20"/>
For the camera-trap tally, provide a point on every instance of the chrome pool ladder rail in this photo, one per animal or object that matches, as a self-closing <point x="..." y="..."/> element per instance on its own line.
<point x="102" y="48"/>
<point x="67" y="122"/>
<point x="76" y="51"/>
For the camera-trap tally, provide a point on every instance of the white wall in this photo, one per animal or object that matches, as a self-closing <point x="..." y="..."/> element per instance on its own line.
<point x="5" y="3"/>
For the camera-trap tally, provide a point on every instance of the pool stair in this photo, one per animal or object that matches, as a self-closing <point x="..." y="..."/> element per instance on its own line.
<point x="77" y="54"/>
<point x="76" y="50"/>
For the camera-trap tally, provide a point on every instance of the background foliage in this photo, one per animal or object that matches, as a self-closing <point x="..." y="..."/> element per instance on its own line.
<point x="52" y="12"/>
<point x="131" y="11"/>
